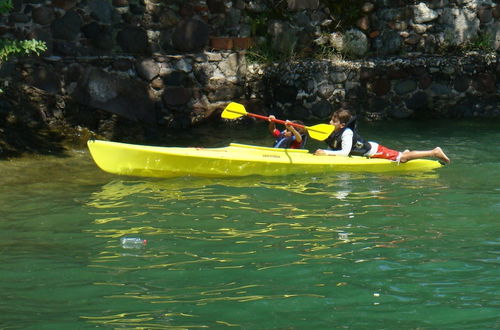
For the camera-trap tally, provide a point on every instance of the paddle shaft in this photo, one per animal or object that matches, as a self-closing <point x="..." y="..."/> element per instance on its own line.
<point x="279" y="121"/>
<point x="319" y="132"/>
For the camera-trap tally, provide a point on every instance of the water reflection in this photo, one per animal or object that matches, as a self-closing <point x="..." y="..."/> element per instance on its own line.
<point x="237" y="240"/>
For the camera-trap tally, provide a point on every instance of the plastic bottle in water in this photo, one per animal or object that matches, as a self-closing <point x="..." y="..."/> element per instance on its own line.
<point x="132" y="242"/>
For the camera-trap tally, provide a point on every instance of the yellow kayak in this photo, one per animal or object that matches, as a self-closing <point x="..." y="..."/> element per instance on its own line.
<point x="235" y="160"/>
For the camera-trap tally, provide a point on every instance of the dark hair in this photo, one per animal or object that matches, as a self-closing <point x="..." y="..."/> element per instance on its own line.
<point x="342" y="115"/>
<point x="301" y="130"/>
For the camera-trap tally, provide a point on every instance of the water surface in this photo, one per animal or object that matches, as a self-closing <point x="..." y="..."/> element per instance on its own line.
<point x="339" y="250"/>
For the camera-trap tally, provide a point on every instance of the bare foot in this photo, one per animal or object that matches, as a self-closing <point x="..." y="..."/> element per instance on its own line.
<point x="439" y="153"/>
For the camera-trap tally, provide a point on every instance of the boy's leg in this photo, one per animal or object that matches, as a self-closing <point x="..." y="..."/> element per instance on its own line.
<point x="436" y="152"/>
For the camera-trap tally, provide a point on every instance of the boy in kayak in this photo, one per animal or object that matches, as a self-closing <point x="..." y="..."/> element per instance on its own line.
<point x="290" y="137"/>
<point x="345" y="141"/>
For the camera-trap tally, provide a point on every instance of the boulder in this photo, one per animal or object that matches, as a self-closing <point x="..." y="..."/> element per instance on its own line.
<point x="116" y="94"/>
<point x="190" y="35"/>
<point x="133" y="40"/>
<point x="67" y="27"/>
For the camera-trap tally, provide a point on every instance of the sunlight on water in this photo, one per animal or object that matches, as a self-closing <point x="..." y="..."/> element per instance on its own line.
<point x="339" y="250"/>
<point x="302" y="231"/>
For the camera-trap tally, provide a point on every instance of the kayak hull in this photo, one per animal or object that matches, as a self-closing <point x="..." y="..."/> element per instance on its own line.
<point x="235" y="160"/>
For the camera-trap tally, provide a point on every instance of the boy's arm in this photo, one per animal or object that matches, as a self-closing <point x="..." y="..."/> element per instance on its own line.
<point x="346" y="146"/>
<point x="292" y="129"/>
<point x="272" y="125"/>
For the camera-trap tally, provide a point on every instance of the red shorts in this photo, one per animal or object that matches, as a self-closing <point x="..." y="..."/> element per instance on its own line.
<point x="386" y="153"/>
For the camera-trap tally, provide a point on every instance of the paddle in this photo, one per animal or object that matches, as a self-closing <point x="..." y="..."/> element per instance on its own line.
<point x="318" y="132"/>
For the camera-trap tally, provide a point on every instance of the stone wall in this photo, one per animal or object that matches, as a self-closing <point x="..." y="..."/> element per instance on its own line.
<point x="154" y="61"/>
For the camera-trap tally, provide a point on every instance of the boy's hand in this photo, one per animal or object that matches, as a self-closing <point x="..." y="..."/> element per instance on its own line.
<point x="320" y="152"/>
<point x="271" y="117"/>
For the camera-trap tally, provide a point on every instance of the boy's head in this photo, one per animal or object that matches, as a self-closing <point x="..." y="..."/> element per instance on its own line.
<point x="340" y="118"/>
<point x="301" y="130"/>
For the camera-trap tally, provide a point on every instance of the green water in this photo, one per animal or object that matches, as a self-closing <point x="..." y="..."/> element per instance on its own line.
<point x="340" y="250"/>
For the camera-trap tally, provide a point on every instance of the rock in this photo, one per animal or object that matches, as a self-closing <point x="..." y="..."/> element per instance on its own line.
<point x="423" y="14"/>
<point x="65" y="4"/>
<point x="67" y="27"/>
<point x="363" y="23"/>
<point x="302" y="4"/>
<point x="367" y="7"/>
<point x="116" y="94"/>
<point x="412" y="39"/>
<point x="176" y="78"/>
<point x="101" y="36"/>
<point x="496" y="11"/>
<point x="461" y="84"/>
<point x="485" y="14"/>
<point x="405" y="86"/>
<point x="148" y="69"/>
<point x="484" y="82"/>
<point x="176" y="96"/>
<point x="338" y="77"/>
<point x="419" y="28"/>
<point x="380" y="86"/>
<point x="133" y="40"/>
<point x="120" y="3"/>
<point x="461" y="25"/>
<point x="285" y="94"/>
<point x="46" y="79"/>
<point x="216" y="6"/>
<point x="325" y="90"/>
<point x="424" y="81"/>
<point x="284" y="37"/>
<point x="439" y="89"/>
<point x="122" y="64"/>
<point x="321" y="109"/>
<point x="43" y="15"/>
<point x="438" y="4"/>
<point x="389" y="42"/>
<point x="493" y="30"/>
<point x="19" y="18"/>
<point x="190" y="35"/>
<point x="103" y="11"/>
<point x="355" y="42"/>
<point x="157" y="83"/>
<point x="65" y="48"/>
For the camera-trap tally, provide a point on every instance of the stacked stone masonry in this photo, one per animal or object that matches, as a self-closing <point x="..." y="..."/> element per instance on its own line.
<point x="153" y="61"/>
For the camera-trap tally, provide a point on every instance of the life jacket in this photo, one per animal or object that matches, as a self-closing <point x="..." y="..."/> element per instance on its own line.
<point x="359" y="145"/>
<point x="288" y="142"/>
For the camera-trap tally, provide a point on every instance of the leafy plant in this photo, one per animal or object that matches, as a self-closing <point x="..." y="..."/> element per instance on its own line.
<point x="483" y="41"/>
<point x="262" y="53"/>
<point x="5" y="6"/>
<point x="9" y="47"/>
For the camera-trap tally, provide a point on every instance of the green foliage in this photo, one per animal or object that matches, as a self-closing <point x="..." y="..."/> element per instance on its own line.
<point x="262" y="53"/>
<point x="13" y="47"/>
<point x="482" y="42"/>
<point x="10" y="47"/>
<point x="5" y="6"/>
<point x="327" y="52"/>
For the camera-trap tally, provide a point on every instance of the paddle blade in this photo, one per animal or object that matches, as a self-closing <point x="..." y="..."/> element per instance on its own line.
<point x="320" y="132"/>
<point x="234" y="110"/>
